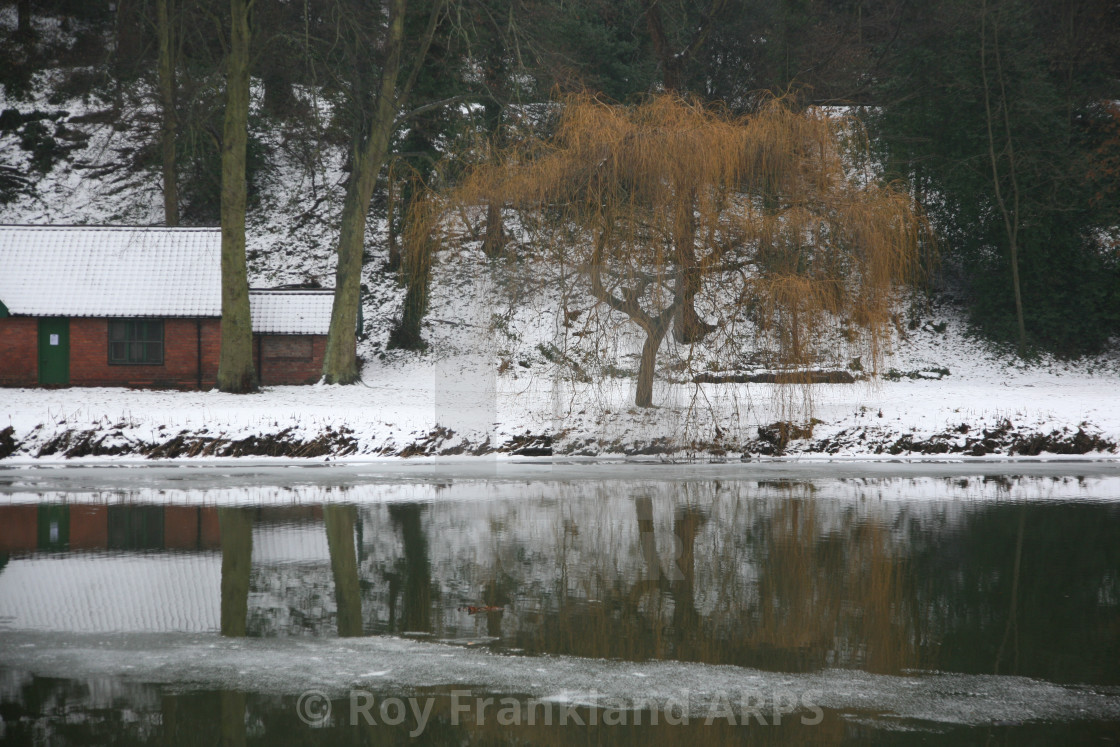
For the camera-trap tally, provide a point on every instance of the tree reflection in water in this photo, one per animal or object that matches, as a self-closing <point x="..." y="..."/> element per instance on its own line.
<point x="773" y="575"/>
<point x="340" y="520"/>
<point x="776" y="575"/>
<point x="412" y="577"/>
<point x="237" y="557"/>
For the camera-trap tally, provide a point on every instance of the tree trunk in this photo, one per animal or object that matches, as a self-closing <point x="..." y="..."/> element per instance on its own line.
<point x="391" y="200"/>
<point x="495" y="239"/>
<point x="418" y="274"/>
<point x="235" y="364"/>
<point x="1010" y="212"/>
<point x="340" y="362"/>
<point x="168" y="124"/>
<point x="668" y="59"/>
<point x="688" y="327"/>
<point x="129" y="35"/>
<point x="278" y="96"/>
<point x="344" y="567"/>
<point x="655" y="326"/>
<point x="655" y="333"/>
<point x="23" y="25"/>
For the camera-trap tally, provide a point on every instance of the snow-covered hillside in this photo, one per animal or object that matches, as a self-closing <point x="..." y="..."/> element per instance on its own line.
<point x="512" y="362"/>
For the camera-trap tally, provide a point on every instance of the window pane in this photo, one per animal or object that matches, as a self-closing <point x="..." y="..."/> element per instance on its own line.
<point x="136" y="341"/>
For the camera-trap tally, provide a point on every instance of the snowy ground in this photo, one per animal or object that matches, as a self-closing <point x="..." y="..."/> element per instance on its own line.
<point x="456" y="404"/>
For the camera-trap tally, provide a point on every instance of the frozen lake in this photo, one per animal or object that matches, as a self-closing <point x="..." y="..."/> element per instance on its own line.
<point x="785" y="603"/>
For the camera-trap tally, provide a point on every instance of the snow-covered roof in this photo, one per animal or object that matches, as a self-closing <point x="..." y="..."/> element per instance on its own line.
<point x="93" y="271"/>
<point x="132" y="272"/>
<point x="291" y="312"/>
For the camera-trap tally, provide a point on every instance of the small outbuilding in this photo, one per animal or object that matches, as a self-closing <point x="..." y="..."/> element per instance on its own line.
<point x="140" y="307"/>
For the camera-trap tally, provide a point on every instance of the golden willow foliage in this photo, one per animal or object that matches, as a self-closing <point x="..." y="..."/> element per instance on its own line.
<point x="668" y="204"/>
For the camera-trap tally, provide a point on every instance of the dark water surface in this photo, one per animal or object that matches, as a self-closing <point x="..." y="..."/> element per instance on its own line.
<point x="589" y="606"/>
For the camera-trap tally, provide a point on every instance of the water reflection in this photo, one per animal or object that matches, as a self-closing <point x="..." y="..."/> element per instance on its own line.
<point x="778" y="576"/>
<point x="237" y="552"/>
<point x="410" y="580"/>
<point x="340" y="521"/>
<point x="41" y="710"/>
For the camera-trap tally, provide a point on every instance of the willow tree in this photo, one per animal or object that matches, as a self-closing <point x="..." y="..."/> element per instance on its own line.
<point x="760" y="216"/>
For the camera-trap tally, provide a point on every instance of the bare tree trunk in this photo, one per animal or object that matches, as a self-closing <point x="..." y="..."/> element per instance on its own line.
<point x="128" y="37"/>
<point x="495" y="238"/>
<point x="417" y="274"/>
<point x="688" y="327"/>
<point x="340" y="362"/>
<point x="391" y="200"/>
<point x="668" y="59"/>
<point x="23" y="25"/>
<point x="168" y="124"/>
<point x="654" y="335"/>
<point x="235" y="364"/>
<point x="1010" y="213"/>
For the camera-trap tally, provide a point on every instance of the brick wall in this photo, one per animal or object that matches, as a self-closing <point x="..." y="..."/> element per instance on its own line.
<point x="289" y="359"/>
<point x="19" y="351"/>
<point x="280" y="359"/>
<point x="89" y="356"/>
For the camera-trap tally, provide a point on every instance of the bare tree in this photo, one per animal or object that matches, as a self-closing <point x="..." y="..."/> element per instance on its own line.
<point x="235" y="364"/>
<point x="1008" y="203"/>
<point x="370" y="147"/>
<point x="23" y="22"/>
<point x="168" y="124"/>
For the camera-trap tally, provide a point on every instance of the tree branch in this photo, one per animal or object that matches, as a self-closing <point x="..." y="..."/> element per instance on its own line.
<point x="431" y="106"/>
<point x="422" y="53"/>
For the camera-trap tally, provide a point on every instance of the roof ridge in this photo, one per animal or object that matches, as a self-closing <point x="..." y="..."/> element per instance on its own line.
<point x="70" y="227"/>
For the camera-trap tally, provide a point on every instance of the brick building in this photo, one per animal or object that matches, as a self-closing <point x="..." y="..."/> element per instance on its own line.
<point x="139" y="307"/>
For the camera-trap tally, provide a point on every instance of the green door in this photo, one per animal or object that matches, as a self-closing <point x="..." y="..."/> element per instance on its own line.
<point x="54" y="351"/>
